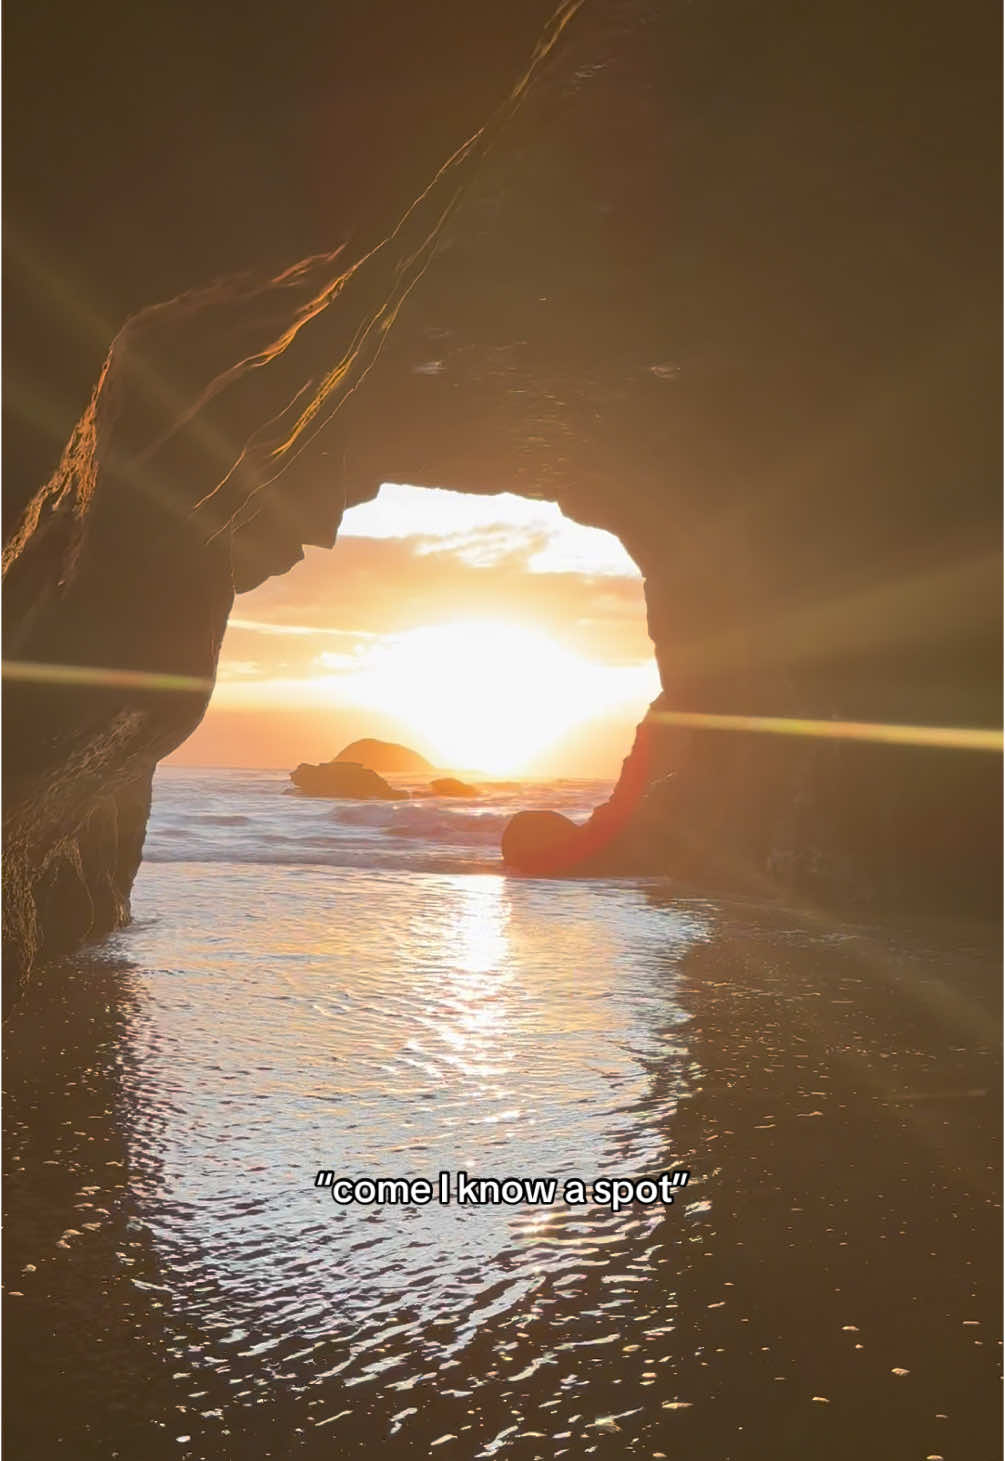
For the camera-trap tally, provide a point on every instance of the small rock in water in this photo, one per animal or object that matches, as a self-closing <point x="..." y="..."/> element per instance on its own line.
<point x="540" y="842"/>
<point x="450" y="786"/>
<point x="343" y="779"/>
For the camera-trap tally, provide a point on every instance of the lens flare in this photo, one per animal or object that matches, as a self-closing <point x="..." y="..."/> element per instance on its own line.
<point x="958" y="738"/>
<point x="102" y="677"/>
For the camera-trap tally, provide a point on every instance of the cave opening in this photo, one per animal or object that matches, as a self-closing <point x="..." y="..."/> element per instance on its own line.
<point x="496" y="640"/>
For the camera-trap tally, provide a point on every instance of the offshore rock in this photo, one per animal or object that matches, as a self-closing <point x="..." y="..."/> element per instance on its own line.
<point x="544" y="844"/>
<point x="386" y="756"/>
<point x="451" y="786"/>
<point x="344" y="779"/>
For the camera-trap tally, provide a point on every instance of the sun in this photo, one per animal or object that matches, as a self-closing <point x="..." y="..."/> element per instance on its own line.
<point x="484" y="695"/>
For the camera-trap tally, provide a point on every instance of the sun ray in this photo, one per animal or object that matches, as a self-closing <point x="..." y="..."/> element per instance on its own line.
<point x="958" y="738"/>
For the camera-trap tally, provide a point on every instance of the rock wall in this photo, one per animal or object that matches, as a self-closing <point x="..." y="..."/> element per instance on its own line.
<point x="717" y="282"/>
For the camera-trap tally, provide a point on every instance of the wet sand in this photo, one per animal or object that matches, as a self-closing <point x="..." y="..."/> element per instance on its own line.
<point x="829" y="1287"/>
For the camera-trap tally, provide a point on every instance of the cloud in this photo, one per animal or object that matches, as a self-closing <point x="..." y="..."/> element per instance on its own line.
<point x="375" y="587"/>
<point x="491" y="546"/>
<point x="309" y="631"/>
<point x="484" y="529"/>
<point x="241" y="669"/>
<point x="332" y="659"/>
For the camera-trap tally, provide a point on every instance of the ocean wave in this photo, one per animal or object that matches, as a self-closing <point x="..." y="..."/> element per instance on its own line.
<point x="361" y="814"/>
<point x="413" y="859"/>
<point x="429" y="820"/>
<point x="435" y="824"/>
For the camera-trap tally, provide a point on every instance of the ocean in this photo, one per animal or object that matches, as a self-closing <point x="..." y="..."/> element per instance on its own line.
<point x="359" y="989"/>
<point x="260" y="817"/>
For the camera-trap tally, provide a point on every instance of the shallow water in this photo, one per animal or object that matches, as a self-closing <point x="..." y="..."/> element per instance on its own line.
<point x="825" y="1284"/>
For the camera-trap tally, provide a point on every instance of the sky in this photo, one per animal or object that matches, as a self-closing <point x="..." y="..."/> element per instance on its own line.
<point x="491" y="634"/>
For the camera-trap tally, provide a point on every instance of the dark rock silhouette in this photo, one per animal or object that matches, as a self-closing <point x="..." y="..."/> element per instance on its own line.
<point x="344" y="779"/>
<point x="542" y="843"/>
<point x="450" y="786"/>
<point x="723" y="285"/>
<point x="386" y="756"/>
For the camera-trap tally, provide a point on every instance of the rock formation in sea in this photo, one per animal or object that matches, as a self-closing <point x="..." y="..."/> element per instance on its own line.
<point x="451" y="786"/>
<point x="542" y="842"/>
<point x="386" y="756"/>
<point x="714" y="280"/>
<point x="344" y="779"/>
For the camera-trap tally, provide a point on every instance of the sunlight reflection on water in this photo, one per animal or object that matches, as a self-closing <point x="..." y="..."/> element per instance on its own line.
<point x="439" y="1023"/>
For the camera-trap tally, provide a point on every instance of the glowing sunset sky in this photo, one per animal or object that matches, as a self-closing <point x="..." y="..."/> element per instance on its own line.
<point x="489" y="633"/>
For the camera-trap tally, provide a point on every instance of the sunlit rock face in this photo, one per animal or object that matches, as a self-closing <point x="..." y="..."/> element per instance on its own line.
<point x="713" y="281"/>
